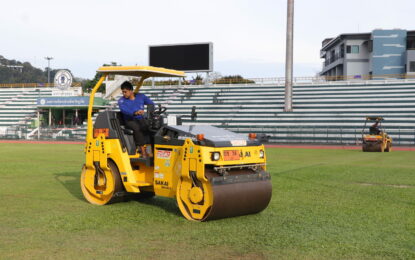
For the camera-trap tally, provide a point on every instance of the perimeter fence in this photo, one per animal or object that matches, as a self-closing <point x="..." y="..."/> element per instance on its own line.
<point x="56" y="133"/>
<point x="324" y="135"/>
<point x="266" y="134"/>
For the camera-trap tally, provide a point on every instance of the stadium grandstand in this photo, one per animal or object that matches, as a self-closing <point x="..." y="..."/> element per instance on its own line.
<point x="18" y="110"/>
<point x="324" y="112"/>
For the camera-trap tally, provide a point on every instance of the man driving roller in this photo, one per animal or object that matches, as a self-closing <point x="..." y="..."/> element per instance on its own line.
<point x="132" y="109"/>
<point x="374" y="129"/>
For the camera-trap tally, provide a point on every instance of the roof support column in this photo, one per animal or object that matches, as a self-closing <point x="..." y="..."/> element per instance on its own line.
<point x="63" y="117"/>
<point x="38" y="124"/>
<point x="289" y="57"/>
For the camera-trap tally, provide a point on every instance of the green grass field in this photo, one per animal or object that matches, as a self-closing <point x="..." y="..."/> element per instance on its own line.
<point x="326" y="204"/>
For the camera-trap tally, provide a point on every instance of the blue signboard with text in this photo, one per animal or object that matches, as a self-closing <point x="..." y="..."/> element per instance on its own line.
<point x="63" y="102"/>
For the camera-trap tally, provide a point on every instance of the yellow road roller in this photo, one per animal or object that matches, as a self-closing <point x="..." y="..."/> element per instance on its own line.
<point x="377" y="140"/>
<point x="211" y="172"/>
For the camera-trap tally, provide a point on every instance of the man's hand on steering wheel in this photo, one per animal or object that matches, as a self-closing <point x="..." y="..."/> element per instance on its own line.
<point x="139" y="112"/>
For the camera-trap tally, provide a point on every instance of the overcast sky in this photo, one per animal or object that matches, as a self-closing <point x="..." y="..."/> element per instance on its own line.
<point x="248" y="36"/>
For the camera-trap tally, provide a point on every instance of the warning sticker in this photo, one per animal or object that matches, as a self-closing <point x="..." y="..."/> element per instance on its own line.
<point x="158" y="175"/>
<point x="163" y="154"/>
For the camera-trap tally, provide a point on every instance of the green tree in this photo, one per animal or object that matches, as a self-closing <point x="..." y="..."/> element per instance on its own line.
<point x="28" y="74"/>
<point x="234" y="79"/>
<point x="88" y="85"/>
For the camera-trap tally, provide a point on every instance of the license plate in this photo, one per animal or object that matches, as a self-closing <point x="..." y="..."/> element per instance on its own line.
<point x="231" y="155"/>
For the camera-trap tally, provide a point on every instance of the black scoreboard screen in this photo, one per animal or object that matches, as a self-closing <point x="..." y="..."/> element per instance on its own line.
<point x="185" y="57"/>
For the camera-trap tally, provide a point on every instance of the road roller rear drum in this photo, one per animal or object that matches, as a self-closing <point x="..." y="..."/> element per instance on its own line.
<point x="102" y="187"/>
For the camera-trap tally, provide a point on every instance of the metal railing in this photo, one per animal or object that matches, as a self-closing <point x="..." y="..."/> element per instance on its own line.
<point x="333" y="58"/>
<point x="316" y="80"/>
<point x="23" y="132"/>
<point x="288" y="134"/>
<point x="324" y="135"/>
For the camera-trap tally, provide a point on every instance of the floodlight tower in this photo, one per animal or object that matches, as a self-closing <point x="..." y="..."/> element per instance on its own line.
<point x="289" y="58"/>
<point x="49" y="58"/>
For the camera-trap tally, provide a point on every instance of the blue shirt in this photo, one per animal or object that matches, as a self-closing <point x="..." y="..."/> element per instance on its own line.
<point x="128" y="106"/>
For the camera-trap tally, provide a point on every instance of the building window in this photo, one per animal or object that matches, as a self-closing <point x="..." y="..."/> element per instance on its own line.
<point x="355" y="48"/>
<point x="410" y="43"/>
<point x="332" y="56"/>
<point x="412" y="66"/>
<point x="352" y="49"/>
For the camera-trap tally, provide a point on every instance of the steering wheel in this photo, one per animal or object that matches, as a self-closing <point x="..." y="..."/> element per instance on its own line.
<point x="154" y="118"/>
<point x="160" y="111"/>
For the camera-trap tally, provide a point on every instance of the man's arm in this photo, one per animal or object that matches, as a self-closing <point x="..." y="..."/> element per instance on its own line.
<point x="147" y="101"/>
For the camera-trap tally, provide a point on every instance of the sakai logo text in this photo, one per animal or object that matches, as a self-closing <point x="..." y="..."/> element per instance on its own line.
<point x="247" y="154"/>
<point x="163" y="183"/>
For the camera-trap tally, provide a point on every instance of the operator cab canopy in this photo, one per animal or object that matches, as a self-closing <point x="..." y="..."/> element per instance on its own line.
<point x="144" y="72"/>
<point x="374" y="118"/>
<point x="141" y="71"/>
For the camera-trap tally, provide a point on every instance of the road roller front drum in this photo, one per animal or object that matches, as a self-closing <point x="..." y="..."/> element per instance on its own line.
<point x="372" y="147"/>
<point x="239" y="192"/>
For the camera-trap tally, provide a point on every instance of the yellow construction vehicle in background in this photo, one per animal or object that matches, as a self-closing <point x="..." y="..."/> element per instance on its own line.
<point x="211" y="172"/>
<point x="377" y="140"/>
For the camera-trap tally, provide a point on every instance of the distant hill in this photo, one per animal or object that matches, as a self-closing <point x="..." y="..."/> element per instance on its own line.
<point x="12" y="71"/>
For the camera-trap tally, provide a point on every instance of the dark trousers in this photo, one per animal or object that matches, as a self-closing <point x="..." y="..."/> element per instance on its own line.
<point x="139" y="128"/>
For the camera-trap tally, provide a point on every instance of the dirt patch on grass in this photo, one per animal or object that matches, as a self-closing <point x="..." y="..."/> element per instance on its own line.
<point x="399" y="186"/>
